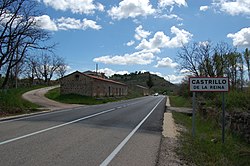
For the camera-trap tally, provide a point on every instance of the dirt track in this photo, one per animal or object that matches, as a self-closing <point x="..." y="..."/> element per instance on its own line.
<point x="37" y="97"/>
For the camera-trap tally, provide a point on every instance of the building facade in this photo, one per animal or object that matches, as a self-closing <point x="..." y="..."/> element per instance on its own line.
<point x="89" y="85"/>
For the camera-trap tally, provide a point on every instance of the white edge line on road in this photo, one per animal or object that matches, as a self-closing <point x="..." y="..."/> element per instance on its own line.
<point x="120" y="146"/>
<point x="54" y="127"/>
<point x="39" y="114"/>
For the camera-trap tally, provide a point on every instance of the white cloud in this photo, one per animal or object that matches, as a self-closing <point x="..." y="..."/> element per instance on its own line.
<point x="45" y="22"/>
<point x="170" y="16"/>
<point x="100" y="7"/>
<point x="109" y="72"/>
<point x="204" y="8"/>
<point x="140" y="33"/>
<point x="62" y="23"/>
<point x="160" y="40"/>
<point x="143" y="57"/>
<point x="68" y="23"/>
<point x="130" y="43"/>
<point x="241" y="38"/>
<point x="166" y="62"/>
<point x="131" y="8"/>
<point x="184" y="71"/>
<point x="90" y="24"/>
<point x="175" y="79"/>
<point x="236" y="7"/>
<point x="76" y="6"/>
<point x="165" y="3"/>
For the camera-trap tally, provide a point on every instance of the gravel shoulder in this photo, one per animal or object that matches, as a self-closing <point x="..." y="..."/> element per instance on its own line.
<point x="169" y="141"/>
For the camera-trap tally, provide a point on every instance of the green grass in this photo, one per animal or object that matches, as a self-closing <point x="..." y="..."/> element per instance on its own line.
<point x="54" y="94"/>
<point x="179" y="101"/>
<point x="11" y="102"/>
<point x="202" y="151"/>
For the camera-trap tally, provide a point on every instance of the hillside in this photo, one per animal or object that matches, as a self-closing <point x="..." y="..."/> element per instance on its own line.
<point x="138" y="78"/>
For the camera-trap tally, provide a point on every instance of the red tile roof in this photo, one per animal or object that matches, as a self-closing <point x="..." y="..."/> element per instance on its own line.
<point x="103" y="79"/>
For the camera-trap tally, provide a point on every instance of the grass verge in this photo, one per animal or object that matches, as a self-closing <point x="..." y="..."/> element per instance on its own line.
<point x="54" y="94"/>
<point x="206" y="148"/>
<point x="11" y="102"/>
<point x="179" y="101"/>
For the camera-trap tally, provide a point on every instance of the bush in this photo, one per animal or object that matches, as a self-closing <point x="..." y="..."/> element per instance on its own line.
<point x="238" y="100"/>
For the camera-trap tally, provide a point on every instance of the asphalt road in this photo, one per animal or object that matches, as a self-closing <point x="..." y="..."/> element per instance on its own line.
<point x="120" y="133"/>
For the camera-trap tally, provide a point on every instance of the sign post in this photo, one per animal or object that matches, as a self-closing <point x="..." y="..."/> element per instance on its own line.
<point x="193" y="115"/>
<point x="209" y="84"/>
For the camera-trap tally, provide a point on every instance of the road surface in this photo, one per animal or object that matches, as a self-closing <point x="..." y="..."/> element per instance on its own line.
<point x="120" y="133"/>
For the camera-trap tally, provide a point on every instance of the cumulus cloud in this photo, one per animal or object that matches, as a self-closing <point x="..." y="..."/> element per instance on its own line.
<point x="165" y="3"/>
<point x="241" y="38"/>
<point x="130" y="43"/>
<point x="175" y="79"/>
<point x="131" y="8"/>
<point x="45" y="22"/>
<point x="143" y="57"/>
<point x="109" y="72"/>
<point x="204" y="8"/>
<point x="76" y="6"/>
<point x="140" y="33"/>
<point x="233" y="8"/>
<point x="160" y="40"/>
<point x="166" y="62"/>
<point x="90" y="24"/>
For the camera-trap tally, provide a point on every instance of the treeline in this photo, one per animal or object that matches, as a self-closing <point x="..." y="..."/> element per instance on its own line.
<point x="206" y="59"/>
<point x="24" y="52"/>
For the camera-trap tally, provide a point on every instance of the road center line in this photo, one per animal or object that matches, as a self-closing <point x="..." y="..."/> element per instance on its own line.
<point x="57" y="126"/>
<point x="55" y="112"/>
<point x="122" y="144"/>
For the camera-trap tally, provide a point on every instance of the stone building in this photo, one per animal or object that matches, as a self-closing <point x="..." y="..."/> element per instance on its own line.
<point x="90" y="85"/>
<point x="141" y="90"/>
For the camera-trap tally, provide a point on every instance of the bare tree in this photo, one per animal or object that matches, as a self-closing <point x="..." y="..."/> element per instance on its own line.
<point x="189" y="59"/>
<point x="31" y="69"/>
<point x="19" y="33"/>
<point x="202" y="59"/>
<point x="48" y="65"/>
<point x="61" y="71"/>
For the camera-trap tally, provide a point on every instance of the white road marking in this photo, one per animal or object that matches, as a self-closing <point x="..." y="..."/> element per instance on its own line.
<point x="33" y="116"/>
<point x="54" y="112"/>
<point x="54" y="127"/>
<point x="121" y="145"/>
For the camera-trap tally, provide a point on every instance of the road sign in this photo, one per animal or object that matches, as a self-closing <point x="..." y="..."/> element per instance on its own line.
<point x="208" y="84"/>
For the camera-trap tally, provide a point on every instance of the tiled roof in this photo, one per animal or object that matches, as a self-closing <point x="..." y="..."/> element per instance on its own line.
<point x="97" y="78"/>
<point x="103" y="79"/>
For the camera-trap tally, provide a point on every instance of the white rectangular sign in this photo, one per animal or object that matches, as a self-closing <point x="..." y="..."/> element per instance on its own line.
<point x="209" y="84"/>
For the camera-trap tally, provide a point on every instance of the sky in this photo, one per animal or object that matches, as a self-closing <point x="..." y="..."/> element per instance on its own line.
<point x="140" y="35"/>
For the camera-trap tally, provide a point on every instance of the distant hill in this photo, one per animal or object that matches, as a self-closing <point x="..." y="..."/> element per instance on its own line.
<point x="160" y="84"/>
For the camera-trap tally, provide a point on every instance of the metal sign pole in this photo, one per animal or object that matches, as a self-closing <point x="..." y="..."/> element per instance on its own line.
<point x="193" y="116"/>
<point x="223" y="117"/>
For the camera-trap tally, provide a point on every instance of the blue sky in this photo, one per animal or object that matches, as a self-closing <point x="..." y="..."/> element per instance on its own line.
<point x="140" y="35"/>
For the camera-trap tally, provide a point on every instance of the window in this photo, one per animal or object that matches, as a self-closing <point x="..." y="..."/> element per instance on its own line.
<point x="77" y="77"/>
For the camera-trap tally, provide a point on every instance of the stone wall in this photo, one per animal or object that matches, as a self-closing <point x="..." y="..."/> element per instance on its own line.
<point x="78" y="83"/>
<point x="240" y="124"/>
<point x="237" y="122"/>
